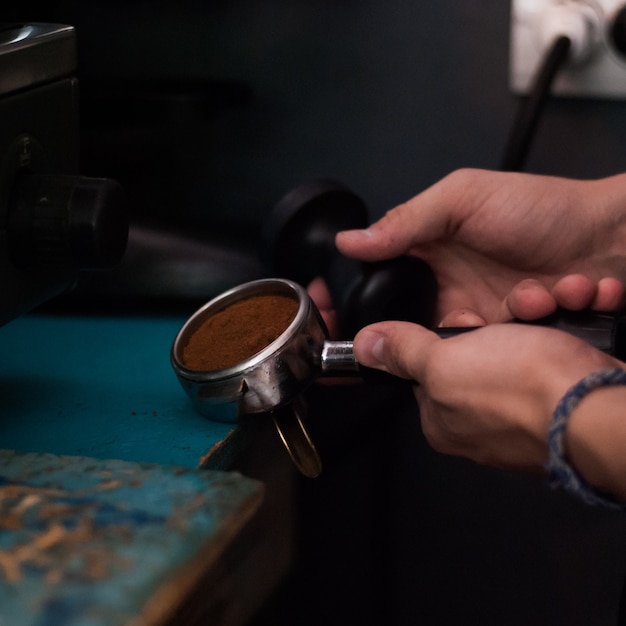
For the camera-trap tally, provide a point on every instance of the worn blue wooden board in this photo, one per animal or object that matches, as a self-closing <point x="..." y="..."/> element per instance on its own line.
<point x="86" y="542"/>
<point x="101" y="387"/>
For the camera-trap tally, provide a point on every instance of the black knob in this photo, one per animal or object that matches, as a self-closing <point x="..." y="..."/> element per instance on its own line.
<point x="618" y="31"/>
<point x="72" y="222"/>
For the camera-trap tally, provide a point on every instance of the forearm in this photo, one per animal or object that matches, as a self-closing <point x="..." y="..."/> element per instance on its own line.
<point x="595" y="440"/>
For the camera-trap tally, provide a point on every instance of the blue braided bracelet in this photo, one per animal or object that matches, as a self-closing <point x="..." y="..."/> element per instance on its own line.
<point x="561" y="472"/>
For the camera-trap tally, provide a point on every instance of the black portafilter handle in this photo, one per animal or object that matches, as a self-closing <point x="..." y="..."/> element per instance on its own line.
<point x="604" y="331"/>
<point x="299" y="242"/>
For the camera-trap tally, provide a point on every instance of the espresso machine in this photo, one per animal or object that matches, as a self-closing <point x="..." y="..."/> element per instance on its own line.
<point x="54" y="223"/>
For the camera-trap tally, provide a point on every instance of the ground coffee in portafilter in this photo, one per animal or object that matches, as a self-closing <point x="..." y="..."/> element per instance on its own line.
<point x="238" y="331"/>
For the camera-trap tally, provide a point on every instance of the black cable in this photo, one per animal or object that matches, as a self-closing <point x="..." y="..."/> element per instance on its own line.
<point x="531" y="106"/>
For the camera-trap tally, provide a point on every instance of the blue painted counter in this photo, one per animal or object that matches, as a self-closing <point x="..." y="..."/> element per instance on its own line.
<point x="85" y="542"/>
<point x="95" y="537"/>
<point x="100" y="387"/>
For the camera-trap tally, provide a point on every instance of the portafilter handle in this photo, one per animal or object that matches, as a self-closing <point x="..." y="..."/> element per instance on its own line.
<point x="603" y="331"/>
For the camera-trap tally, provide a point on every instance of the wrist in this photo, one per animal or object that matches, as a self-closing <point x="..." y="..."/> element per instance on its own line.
<point x="595" y="440"/>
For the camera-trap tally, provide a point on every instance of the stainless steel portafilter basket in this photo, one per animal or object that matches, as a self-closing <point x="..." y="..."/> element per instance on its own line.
<point x="271" y="378"/>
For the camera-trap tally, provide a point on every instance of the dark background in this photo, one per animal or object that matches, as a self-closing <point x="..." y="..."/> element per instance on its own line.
<point x="208" y="112"/>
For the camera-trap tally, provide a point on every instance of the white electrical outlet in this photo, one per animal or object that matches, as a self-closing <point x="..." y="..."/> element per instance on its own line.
<point x="601" y="75"/>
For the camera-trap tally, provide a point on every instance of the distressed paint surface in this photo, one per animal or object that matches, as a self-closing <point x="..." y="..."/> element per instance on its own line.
<point x="101" y="387"/>
<point x="86" y="542"/>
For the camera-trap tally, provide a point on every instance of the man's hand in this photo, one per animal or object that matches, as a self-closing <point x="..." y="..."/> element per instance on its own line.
<point x="509" y="245"/>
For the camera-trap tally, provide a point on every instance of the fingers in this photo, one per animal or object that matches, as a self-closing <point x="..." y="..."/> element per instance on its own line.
<point x="530" y="299"/>
<point x="610" y="295"/>
<point x="400" y="348"/>
<point x="318" y="290"/>
<point x="574" y="292"/>
<point x="577" y="292"/>
<point x="320" y="294"/>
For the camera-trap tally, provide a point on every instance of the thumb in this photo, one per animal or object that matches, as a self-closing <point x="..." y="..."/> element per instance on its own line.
<point x="430" y="216"/>
<point x="391" y="236"/>
<point x="400" y="348"/>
